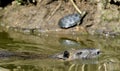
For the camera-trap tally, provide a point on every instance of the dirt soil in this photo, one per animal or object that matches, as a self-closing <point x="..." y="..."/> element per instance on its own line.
<point x="103" y="16"/>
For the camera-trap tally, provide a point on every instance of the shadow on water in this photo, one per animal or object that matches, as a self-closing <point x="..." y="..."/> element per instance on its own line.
<point x="46" y="44"/>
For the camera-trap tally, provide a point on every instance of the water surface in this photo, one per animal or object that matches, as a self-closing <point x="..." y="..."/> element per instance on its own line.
<point x="50" y="44"/>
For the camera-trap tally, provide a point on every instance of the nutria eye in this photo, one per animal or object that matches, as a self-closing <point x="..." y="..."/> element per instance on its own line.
<point x="66" y="54"/>
<point x="98" y="52"/>
<point x="79" y="53"/>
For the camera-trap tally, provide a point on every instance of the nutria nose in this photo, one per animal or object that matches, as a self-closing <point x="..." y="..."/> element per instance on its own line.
<point x="66" y="54"/>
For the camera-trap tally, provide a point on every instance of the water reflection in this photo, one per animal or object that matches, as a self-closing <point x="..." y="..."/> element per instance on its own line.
<point x="51" y="44"/>
<point x="66" y="42"/>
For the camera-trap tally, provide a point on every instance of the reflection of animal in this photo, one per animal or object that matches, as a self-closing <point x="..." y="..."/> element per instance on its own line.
<point x="78" y="54"/>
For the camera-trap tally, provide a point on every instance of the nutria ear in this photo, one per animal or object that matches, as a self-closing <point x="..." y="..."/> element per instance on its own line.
<point x="66" y="54"/>
<point x="79" y="53"/>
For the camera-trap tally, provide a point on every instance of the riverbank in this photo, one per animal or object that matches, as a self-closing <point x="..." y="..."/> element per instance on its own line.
<point x="102" y="18"/>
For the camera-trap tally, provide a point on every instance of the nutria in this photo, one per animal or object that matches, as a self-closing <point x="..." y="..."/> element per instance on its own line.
<point x="87" y="53"/>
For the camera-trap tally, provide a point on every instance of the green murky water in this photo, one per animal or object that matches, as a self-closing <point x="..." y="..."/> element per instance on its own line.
<point x="52" y="44"/>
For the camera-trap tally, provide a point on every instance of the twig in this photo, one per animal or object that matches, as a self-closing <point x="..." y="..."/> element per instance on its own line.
<point x="78" y="10"/>
<point x="54" y="11"/>
<point x="75" y="6"/>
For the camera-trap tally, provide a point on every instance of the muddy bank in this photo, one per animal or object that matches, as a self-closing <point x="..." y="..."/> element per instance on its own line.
<point x="103" y="16"/>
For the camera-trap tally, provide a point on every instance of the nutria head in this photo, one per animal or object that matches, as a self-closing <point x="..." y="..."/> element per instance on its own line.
<point x="86" y="53"/>
<point x="78" y="54"/>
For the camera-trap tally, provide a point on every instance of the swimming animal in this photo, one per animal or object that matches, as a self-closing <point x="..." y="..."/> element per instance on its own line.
<point x="86" y="53"/>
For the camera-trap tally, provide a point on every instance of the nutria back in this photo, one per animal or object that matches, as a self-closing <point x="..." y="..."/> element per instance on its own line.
<point x="23" y="55"/>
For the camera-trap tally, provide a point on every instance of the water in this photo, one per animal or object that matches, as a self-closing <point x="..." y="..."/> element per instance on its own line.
<point x="50" y="44"/>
